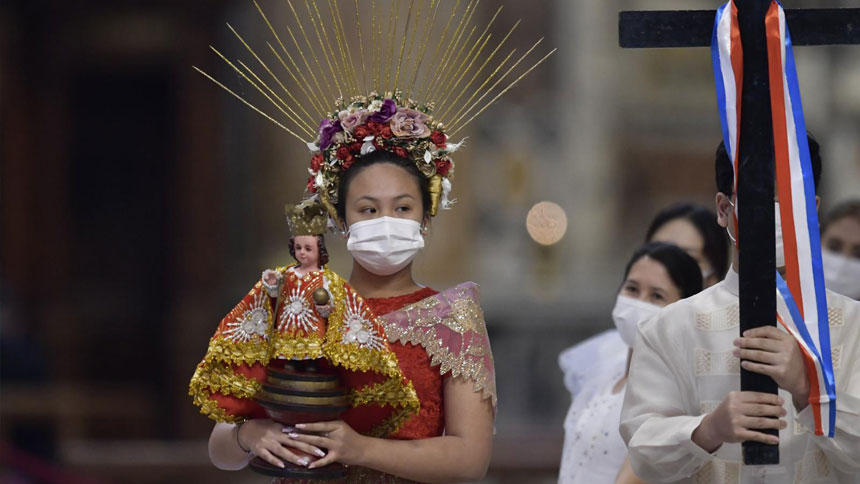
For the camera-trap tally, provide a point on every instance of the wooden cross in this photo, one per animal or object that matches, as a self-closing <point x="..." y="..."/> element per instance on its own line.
<point x="693" y="28"/>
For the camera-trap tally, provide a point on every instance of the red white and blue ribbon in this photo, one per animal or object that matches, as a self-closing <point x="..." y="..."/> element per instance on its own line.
<point x="802" y="289"/>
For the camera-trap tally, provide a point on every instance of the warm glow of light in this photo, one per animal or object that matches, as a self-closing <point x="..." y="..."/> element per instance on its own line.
<point x="546" y="223"/>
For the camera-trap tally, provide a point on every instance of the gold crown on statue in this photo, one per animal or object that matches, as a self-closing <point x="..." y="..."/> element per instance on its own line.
<point x="307" y="218"/>
<point x="456" y="73"/>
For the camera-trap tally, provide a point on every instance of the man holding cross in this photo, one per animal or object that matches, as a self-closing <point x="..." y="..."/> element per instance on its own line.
<point x="787" y="386"/>
<point x="683" y="416"/>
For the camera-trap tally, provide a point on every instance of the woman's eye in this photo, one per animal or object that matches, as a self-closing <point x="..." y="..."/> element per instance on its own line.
<point x="632" y="289"/>
<point x="368" y="210"/>
<point x="404" y="208"/>
<point x="834" y="245"/>
<point x="659" y="297"/>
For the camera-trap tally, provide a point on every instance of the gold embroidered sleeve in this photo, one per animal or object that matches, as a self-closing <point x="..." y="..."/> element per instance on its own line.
<point x="451" y="328"/>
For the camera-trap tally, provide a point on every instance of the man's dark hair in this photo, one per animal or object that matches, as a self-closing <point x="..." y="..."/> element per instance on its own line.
<point x="725" y="170"/>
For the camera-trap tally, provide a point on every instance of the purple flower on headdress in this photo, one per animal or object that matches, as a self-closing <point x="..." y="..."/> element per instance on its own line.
<point x="409" y="123"/>
<point x="328" y="129"/>
<point x="385" y="112"/>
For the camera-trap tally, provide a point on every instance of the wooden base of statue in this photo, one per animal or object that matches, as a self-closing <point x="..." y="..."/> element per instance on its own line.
<point x="301" y="391"/>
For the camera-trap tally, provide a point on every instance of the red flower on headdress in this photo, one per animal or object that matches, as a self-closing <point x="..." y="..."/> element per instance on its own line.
<point x="347" y="163"/>
<point x="310" y="185"/>
<point x="374" y="127"/>
<point x="355" y="148"/>
<point x="401" y="152"/>
<point x="438" y="138"/>
<point x="443" y="167"/>
<point x="316" y="162"/>
<point x="386" y="133"/>
<point x="343" y="152"/>
<point x="361" y="132"/>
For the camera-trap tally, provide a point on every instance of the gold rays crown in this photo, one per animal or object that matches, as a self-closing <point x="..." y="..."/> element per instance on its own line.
<point x="331" y="58"/>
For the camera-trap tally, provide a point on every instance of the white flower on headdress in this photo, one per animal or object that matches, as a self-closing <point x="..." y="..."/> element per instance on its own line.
<point x="313" y="147"/>
<point x="367" y="147"/>
<point x="452" y="147"/>
<point x="446" y="203"/>
<point x="428" y="156"/>
<point x="375" y="105"/>
<point x="319" y="180"/>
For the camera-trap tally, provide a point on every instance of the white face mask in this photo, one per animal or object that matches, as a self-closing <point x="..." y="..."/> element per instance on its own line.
<point x="385" y="245"/>
<point x="627" y="315"/>
<point x="841" y="274"/>
<point x="780" y="250"/>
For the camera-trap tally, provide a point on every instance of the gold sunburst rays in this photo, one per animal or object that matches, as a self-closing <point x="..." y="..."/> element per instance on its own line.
<point x="310" y="65"/>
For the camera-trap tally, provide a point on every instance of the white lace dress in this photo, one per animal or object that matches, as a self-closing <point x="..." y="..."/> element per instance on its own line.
<point x="593" y="449"/>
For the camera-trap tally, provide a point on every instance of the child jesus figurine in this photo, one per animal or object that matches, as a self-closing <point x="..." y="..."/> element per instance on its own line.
<point x="304" y="314"/>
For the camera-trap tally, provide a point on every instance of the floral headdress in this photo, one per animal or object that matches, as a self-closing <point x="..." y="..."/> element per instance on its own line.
<point x="366" y="124"/>
<point x="375" y="110"/>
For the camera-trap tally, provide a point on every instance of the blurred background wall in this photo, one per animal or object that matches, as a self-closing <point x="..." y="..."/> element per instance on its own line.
<point x="138" y="202"/>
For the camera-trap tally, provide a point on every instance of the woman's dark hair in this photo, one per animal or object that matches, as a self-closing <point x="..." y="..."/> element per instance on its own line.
<point x="848" y="208"/>
<point x="725" y="171"/>
<point x="682" y="268"/>
<point x="320" y="245"/>
<point x="374" y="158"/>
<point x="716" y="247"/>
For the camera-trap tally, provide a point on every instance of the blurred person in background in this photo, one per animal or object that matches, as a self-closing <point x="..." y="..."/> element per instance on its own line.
<point x="694" y="228"/>
<point x="840" y="248"/>
<point x="596" y="370"/>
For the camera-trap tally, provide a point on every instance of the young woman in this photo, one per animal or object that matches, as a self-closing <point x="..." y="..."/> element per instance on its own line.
<point x="658" y="274"/>
<point x="694" y="228"/>
<point x="840" y="244"/>
<point x="385" y="202"/>
<point x="381" y="167"/>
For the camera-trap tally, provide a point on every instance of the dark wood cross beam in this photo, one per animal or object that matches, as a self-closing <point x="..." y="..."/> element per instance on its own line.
<point x="756" y="167"/>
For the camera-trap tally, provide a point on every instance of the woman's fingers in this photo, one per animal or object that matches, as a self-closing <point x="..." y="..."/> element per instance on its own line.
<point x="271" y="459"/>
<point x="330" y="458"/>
<point x="284" y="453"/>
<point x="302" y="446"/>
<point x="314" y="440"/>
<point x="319" y="426"/>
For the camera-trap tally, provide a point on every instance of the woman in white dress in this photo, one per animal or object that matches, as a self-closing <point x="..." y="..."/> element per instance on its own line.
<point x="595" y="371"/>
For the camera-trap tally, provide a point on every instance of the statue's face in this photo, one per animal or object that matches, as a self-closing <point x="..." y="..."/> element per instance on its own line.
<point x="307" y="251"/>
